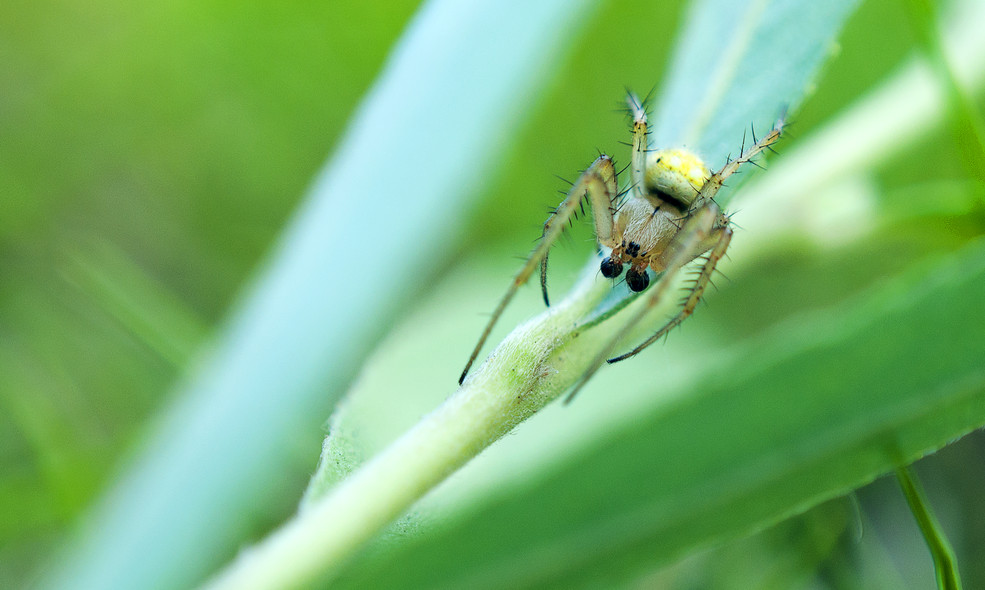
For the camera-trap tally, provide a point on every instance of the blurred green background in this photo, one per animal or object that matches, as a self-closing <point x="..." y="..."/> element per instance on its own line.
<point x="150" y="155"/>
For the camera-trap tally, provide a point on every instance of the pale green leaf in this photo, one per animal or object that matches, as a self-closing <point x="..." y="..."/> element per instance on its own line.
<point x="361" y="243"/>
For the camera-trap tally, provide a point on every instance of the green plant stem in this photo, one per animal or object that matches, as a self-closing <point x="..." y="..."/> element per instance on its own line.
<point x="528" y="370"/>
<point x="945" y="563"/>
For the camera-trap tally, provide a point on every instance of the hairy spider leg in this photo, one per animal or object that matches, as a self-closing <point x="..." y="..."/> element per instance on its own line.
<point x="602" y="189"/>
<point x="724" y="233"/>
<point x="693" y="237"/>
<point x="713" y="184"/>
<point x="598" y="184"/>
<point x="613" y="235"/>
<point x="640" y="144"/>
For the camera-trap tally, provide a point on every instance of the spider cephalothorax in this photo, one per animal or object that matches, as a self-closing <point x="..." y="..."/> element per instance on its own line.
<point x="666" y="218"/>
<point x="647" y="222"/>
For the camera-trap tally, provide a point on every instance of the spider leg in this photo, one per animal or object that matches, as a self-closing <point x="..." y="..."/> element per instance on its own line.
<point x="640" y="143"/>
<point x="698" y="230"/>
<point x="598" y="184"/>
<point x="713" y="184"/>
<point x="694" y="296"/>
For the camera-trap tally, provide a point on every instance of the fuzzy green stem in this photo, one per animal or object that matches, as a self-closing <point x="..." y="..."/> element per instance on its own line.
<point x="528" y="370"/>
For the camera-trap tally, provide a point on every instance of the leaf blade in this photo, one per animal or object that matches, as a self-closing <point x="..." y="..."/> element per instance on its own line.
<point x="433" y="121"/>
<point x="737" y="451"/>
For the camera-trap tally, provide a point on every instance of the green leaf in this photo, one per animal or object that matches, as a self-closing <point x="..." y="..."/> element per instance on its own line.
<point x="803" y="414"/>
<point x="739" y="67"/>
<point x="363" y="241"/>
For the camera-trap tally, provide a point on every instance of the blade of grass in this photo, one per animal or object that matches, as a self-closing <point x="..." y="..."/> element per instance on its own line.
<point x="397" y="187"/>
<point x="945" y="563"/>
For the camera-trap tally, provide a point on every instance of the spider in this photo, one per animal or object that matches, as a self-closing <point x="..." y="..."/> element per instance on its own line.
<point x="665" y="219"/>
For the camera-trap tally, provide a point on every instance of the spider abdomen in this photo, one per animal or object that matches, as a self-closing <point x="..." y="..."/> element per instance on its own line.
<point x="674" y="176"/>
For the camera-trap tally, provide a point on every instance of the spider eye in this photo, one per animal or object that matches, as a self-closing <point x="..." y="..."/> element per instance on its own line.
<point x="610" y="269"/>
<point x="637" y="280"/>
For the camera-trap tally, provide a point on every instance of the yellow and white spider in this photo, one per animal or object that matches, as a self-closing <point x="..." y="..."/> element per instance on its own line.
<point x="666" y="218"/>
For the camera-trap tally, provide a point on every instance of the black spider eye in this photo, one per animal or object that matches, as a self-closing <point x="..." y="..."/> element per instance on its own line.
<point x="637" y="280"/>
<point x="610" y="269"/>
